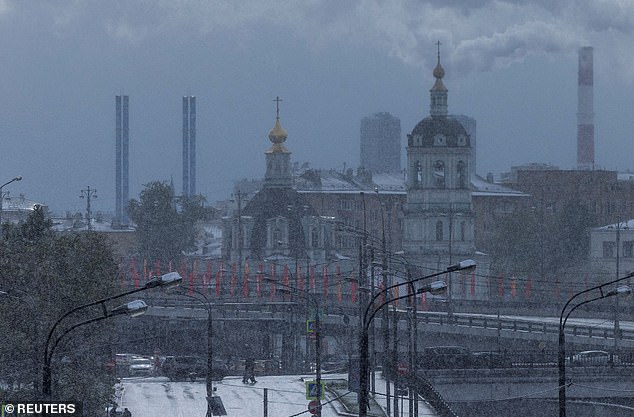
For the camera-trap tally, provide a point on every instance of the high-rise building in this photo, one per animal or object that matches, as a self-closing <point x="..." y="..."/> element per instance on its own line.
<point x="189" y="146"/>
<point x="381" y="143"/>
<point x="122" y="142"/>
<point x="585" y="110"/>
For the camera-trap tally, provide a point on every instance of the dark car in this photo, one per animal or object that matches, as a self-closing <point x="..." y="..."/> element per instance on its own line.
<point x="491" y="360"/>
<point x="447" y="357"/>
<point x="181" y="368"/>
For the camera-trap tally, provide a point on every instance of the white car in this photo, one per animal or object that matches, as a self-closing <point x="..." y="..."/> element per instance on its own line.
<point x="141" y="367"/>
<point x="592" y="358"/>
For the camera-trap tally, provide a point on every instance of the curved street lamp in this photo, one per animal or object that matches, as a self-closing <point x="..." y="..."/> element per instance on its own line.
<point x="168" y="280"/>
<point x="436" y="287"/>
<point x="563" y="319"/>
<point x="133" y="309"/>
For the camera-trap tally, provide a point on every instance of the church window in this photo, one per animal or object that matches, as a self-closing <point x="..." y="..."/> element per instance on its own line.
<point x="439" y="231"/>
<point x="419" y="173"/>
<point x="314" y="235"/>
<point x="463" y="230"/>
<point x="439" y="174"/>
<point x="462" y="175"/>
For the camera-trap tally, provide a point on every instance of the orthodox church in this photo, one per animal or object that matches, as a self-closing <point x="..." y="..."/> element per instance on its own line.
<point x="438" y="222"/>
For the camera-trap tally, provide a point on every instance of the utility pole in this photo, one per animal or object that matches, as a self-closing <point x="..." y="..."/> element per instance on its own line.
<point x="88" y="194"/>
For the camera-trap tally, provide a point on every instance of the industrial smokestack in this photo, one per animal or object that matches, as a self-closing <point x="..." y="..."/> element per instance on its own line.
<point x="122" y="143"/>
<point x="585" y="110"/>
<point x="189" y="146"/>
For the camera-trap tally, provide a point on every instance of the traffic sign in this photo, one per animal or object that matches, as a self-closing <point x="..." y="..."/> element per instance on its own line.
<point x="402" y="368"/>
<point x="313" y="407"/>
<point x="311" y="326"/>
<point x="313" y="392"/>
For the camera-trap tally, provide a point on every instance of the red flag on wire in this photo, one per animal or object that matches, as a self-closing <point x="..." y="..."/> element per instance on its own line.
<point x="258" y="281"/>
<point x="286" y="283"/>
<point x="234" y="279"/>
<point x="272" y="282"/>
<point x="219" y="279"/>
<point x="245" y="285"/>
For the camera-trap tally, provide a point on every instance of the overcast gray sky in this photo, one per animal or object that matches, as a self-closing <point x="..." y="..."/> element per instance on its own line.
<point x="512" y="65"/>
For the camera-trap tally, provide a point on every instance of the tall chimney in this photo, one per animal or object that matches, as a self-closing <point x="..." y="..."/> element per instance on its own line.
<point x="585" y="110"/>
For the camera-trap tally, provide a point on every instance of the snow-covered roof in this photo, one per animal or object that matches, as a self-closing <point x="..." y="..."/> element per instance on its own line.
<point x="481" y="187"/>
<point x="629" y="224"/>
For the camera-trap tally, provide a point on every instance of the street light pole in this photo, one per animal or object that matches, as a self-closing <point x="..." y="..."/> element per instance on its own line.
<point x="435" y="287"/>
<point x="18" y="178"/>
<point x="88" y="194"/>
<point x="563" y="319"/>
<point x="213" y="402"/>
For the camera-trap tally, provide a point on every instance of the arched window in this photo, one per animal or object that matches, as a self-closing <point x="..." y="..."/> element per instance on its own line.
<point x="439" y="174"/>
<point x="462" y="175"/>
<point x="314" y="234"/>
<point x="419" y="173"/>
<point x="463" y="231"/>
<point x="439" y="231"/>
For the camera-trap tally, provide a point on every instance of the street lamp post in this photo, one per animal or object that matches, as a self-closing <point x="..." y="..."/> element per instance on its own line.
<point x="435" y="287"/>
<point x="133" y="309"/>
<point x="18" y="178"/>
<point x="213" y="402"/>
<point x="164" y="281"/>
<point x="563" y="319"/>
<point x="88" y="194"/>
<point x="317" y="332"/>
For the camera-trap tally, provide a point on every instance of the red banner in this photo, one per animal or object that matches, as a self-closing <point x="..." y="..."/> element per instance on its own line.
<point x="472" y="284"/>
<point x="312" y="278"/>
<point x="272" y="282"/>
<point x="353" y="288"/>
<point x="528" y="288"/>
<point x="258" y="281"/>
<point x="219" y="280"/>
<point x="286" y="283"/>
<point x="300" y="279"/>
<point x="245" y="285"/>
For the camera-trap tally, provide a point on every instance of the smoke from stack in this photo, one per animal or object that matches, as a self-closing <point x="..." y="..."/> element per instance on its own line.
<point x="585" y="110"/>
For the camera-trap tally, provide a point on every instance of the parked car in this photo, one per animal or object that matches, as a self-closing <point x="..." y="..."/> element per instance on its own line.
<point x="592" y="358"/>
<point x="141" y="367"/>
<point x="439" y="357"/>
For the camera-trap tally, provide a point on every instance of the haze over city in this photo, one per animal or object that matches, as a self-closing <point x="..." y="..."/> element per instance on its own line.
<point x="511" y="65"/>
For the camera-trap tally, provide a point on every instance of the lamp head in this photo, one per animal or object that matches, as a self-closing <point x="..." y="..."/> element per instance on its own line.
<point x="434" y="288"/>
<point x="620" y="290"/>
<point x="466" y="265"/>
<point x="133" y="308"/>
<point x="171" y="279"/>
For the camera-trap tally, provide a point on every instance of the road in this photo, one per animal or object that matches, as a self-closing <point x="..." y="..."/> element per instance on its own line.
<point x="158" y="396"/>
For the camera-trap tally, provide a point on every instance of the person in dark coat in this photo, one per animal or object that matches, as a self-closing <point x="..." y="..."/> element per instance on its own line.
<point x="126" y="413"/>
<point x="249" y="370"/>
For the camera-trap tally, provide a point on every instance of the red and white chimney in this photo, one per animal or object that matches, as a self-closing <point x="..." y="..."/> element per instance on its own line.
<point x="585" y="110"/>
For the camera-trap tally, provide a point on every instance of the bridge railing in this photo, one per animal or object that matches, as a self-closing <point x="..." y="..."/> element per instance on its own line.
<point x="526" y="325"/>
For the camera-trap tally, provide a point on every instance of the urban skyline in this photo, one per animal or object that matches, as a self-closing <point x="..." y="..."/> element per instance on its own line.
<point x="511" y="67"/>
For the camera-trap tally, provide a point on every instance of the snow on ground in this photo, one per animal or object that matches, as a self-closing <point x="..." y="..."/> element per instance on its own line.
<point x="151" y="397"/>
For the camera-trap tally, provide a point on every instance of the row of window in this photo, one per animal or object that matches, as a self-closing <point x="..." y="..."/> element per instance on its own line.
<point x="609" y="249"/>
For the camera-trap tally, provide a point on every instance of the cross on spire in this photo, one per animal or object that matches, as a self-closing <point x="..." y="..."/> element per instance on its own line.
<point x="277" y="103"/>
<point x="438" y="46"/>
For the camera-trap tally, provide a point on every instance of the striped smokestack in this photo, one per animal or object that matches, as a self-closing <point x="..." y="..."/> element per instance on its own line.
<point x="585" y="110"/>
